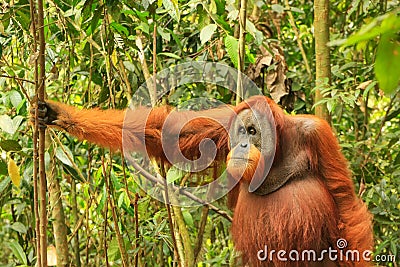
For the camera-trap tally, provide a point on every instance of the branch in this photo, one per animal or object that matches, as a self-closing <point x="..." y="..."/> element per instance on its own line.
<point x="35" y="137"/>
<point x="160" y="182"/>
<point x="242" y="44"/>
<point x="299" y="42"/>
<point x="17" y="78"/>
<point x="42" y="169"/>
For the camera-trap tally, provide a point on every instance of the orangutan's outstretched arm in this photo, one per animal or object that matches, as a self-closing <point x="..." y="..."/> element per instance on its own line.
<point x="141" y="129"/>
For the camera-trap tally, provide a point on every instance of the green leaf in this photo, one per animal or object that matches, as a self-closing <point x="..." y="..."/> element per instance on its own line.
<point x="128" y="12"/>
<point x="177" y="40"/>
<point x="98" y="13"/>
<point x="21" y="106"/>
<point x="10" y="145"/>
<point x="101" y="199"/>
<point x="165" y="35"/>
<point x="232" y="44"/>
<point x="233" y="15"/>
<point x="3" y="169"/>
<point x="113" y="250"/>
<point x="17" y="120"/>
<point x="220" y="4"/>
<point x="391" y="24"/>
<point x="369" y="88"/>
<point x="127" y="201"/>
<point x="121" y="199"/>
<point x="393" y="246"/>
<point x="15" y="98"/>
<point x="278" y="8"/>
<point x="387" y="63"/>
<point x="6" y="124"/>
<point x="144" y="27"/>
<point x="142" y="15"/>
<point x="188" y="218"/>
<point x="330" y="105"/>
<point x="104" y="94"/>
<point x="129" y="66"/>
<point x="9" y="125"/>
<point x="70" y="12"/>
<point x="18" y="251"/>
<point x="63" y="157"/>
<point x="174" y="174"/>
<point x="23" y="18"/>
<point x="4" y="182"/>
<point x="250" y="56"/>
<point x="207" y="32"/>
<point x="19" y="227"/>
<point x="251" y="28"/>
<point x="172" y="8"/>
<point x="171" y="55"/>
<point x="119" y="28"/>
<point x="386" y="24"/>
<point x="297" y="10"/>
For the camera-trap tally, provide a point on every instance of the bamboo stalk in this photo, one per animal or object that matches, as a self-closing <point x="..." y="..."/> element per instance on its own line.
<point x="35" y="138"/>
<point x="322" y="54"/>
<point x="242" y="44"/>
<point x="42" y="172"/>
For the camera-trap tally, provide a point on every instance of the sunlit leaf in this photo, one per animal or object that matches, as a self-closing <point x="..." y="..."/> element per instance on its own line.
<point x="129" y="66"/>
<point x="171" y="55"/>
<point x="174" y="174"/>
<point x="387" y="63"/>
<point x="113" y="249"/>
<point x="386" y="24"/>
<point x="18" y="251"/>
<point x="251" y="28"/>
<point x="63" y="157"/>
<point x="172" y="8"/>
<point x="6" y="124"/>
<point x="4" y="183"/>
<point x="278" y="8"/>
<point x="10" y="145"/>
<point x="19" y="227"/>
<point x="121" y="199"/>
<point x="165" y="35"/>
<point x="114" y="57"/>
<point x="13" y="171"/>
<point x="188" y="218"/>
<point x="119" y="28"/>
<point x="207" y="32"/>
<point x="51" y="256"/>
<point x="232" y="45"/>
<point x="15" y="98"/>
<point x="297" y="10"/>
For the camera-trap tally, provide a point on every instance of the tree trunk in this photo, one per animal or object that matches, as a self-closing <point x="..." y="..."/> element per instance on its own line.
<point x="59" y="227"/>
<point x="242" y="44"/>
<point x="74" y="204"/>
<point x="322" y="55"/>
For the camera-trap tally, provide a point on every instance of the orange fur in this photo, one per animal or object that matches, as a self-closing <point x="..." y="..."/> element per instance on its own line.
<point x="249" y="170"/>
<point x="310" y="212"/>
<point x="141" y="129"/>
<point x="102" y="127"/>
<point x="301" y="216"/>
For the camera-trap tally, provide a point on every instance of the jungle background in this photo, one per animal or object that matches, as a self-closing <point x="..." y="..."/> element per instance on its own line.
<point x="99" y="52"/>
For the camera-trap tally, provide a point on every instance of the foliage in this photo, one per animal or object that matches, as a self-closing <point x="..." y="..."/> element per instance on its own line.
<point x="387" y="63"/>
<point x="93" y="59"/>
